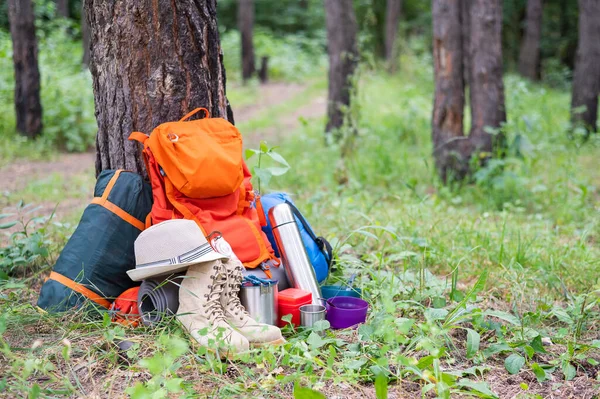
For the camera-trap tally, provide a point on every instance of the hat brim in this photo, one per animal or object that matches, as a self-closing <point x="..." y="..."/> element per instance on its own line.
<point x="152" y="271"/>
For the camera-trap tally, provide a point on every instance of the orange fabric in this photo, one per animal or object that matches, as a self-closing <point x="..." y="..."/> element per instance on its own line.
<point x="261" y="211"/>
<point x="110" y="185"/>
<point x="190" y="114"/>
<point x="120" y="213"/>
<point x="203" y="158"/>
<point x="125" y="308"/>
<point x="199" y="152"/>
<point x="138" y="136"/>
<point x="89" y="294"/>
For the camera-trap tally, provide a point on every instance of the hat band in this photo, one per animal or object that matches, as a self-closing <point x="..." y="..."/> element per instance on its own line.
<point x="187" y="257"/>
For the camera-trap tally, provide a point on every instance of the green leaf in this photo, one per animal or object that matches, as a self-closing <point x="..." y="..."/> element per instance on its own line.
<point x="5" y="215"/>
<point x="539" y="372"/>
<point x="3" y="323"/>
<point x="404" y="325"/>
<point x="278" y="158"/>
<point x="514" y="363"/>
<point x="275" y="171"/>
<point x="306" y="393"/>
<point x="432" y="314"/>
<point x="537" y="345"/>
<point x="473" y="340"/>
<point x="315" y="341"/>
<point x="355" y="364"/>
<point x="250" y="153"/>
<point x="264" y="147"/>
<point x="35" y="391"/>
<point x="7" y="225"/>
<point x="479" y="387"/>
<point x="381" y="386"/>
<point x="321" y="325"/>
<point x="174" y="385"/>
<point x="569" y="371"/>
<point x="503" y="316"/>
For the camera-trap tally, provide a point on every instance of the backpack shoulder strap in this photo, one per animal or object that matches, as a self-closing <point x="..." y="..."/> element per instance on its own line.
<point x="139" y="137"/>
<point x="324" y="245"/>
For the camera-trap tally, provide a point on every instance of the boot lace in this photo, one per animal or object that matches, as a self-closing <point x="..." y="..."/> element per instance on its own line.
<point x="234" y="302"/>
<point x="213" y="303"/>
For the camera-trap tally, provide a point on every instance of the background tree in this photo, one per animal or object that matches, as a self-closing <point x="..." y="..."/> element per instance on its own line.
<point x="153" y="64"/>
<point x="586" y="79"/>
<point x="453" y="150"/>
<point x="85" y="39"/>
<point x="246" y="27"/>
<point x="392" y="18"/>
<point x="343" y="58"/>
<point x="62" y="8"/>
<point x="529" y="56"/>
<point x="27" y="75"/>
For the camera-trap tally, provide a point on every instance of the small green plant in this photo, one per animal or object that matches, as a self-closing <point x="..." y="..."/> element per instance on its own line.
<point x="28" y="245"/>
<point x="265" y="173"/>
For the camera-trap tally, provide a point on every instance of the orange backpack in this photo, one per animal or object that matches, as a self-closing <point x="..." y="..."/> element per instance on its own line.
<point x="197" y="172"/>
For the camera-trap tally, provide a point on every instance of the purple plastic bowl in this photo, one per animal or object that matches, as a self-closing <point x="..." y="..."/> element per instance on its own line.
<point x="346" y="311"/>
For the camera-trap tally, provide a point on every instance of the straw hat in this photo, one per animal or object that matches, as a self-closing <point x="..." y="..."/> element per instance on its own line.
<point x="170" y="247"/>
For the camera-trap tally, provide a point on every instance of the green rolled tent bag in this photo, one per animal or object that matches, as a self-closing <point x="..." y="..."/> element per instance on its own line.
<point x="93" y="264"/>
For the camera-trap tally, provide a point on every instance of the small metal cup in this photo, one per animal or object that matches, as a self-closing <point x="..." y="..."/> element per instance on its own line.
<point x="309" y="314"/>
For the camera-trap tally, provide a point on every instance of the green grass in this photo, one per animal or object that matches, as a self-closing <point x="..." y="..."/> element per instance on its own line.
<point x="466" y="283"/>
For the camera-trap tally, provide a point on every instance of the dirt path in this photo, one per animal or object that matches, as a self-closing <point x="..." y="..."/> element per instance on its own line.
<point x="18" y="175"/>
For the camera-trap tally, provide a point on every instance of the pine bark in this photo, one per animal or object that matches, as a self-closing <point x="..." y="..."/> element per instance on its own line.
<point x="586" y="78"/>
<point x="343" y="58"/>
<point x="62" y="8"/>
<point x="487" y="86"/>
<point x="459" y="57"/>
<point x="529" y="56"/>
<point x="85" y="38"/>
<point x="152" y="61"/>
<point x="392" y="18"/>
<point x="28" y="107"/>
<point x="448" y="137"/>
<point x="246" y="27"/>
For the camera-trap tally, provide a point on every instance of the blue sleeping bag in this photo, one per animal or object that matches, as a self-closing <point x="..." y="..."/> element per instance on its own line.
<point x="318" y="249"/>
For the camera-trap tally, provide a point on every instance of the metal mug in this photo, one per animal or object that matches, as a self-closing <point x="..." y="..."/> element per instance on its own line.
<point x="261" y="302"/>
<point x="310" y="314"/>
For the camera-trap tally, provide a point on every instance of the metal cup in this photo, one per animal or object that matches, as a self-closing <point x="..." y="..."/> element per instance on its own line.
<point x="261" y="302"/>
<point x="310" y="314"/>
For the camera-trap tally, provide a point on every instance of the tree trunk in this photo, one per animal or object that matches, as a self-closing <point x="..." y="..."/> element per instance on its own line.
<point x="151" y="62"/>
<point x="85" y="38"/>
<point x="465" y="20"/>
<point x="27" y="75"/>
<point x="392" y="18"/>
<point x="343" y="58"/>
<point x="529" y="57"/>
<point x="486" y="86"/>
<point x="449" y="99"/>
<point x="481" y="41"/>
<point x="62" y="8"/>
<point x="246" y="27"/>
<point x="586" y="78"/>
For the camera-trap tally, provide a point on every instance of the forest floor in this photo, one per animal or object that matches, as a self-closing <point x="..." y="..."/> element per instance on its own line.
<point x="487" y="290"/>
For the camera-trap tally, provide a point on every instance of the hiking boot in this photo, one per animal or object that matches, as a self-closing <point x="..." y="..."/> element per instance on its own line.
<point x="201" y="313"/>
<point x="257" y="333"/>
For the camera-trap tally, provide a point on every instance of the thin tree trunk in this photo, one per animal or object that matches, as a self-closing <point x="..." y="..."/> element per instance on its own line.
<point x="85" y="38"/>
<point x="392" y="18"/>
<point x="62" y="8"/>
<point x="151" y="61"/>
<point x="27" y="75"/>
<point x="586" y="78"/>
<point x="246" y="27"/>
<point x="486" y="86"/>
<point x="449" y="99"/>
<point x="465" y="20"/>
<point x="529" y="57"/>
<point x="343" y="58"/>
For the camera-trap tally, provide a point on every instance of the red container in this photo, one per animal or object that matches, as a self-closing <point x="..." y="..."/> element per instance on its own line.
<point x="289" y="302"/>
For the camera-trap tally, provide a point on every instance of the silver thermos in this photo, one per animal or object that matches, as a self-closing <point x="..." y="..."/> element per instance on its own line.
<point x="297" y="266"/>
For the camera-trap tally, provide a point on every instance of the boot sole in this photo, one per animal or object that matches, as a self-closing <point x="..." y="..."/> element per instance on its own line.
<point x="277" y="342"/>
